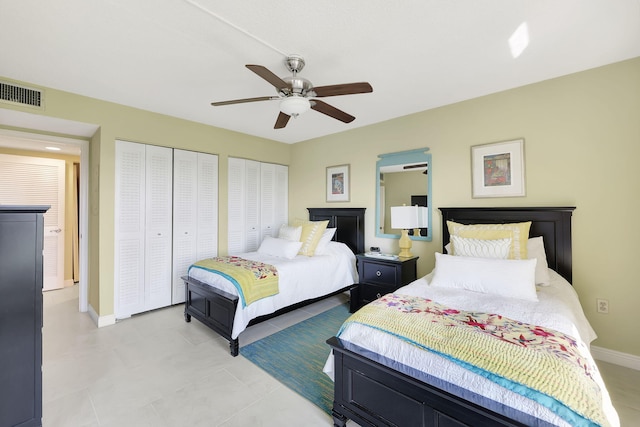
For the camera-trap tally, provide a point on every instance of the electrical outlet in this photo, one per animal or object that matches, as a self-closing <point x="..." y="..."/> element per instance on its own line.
<point x="602" y="305"/>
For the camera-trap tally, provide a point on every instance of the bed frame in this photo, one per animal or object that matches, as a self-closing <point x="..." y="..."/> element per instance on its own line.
<point x="372" y="394"/>
<point x="216" y="309"/>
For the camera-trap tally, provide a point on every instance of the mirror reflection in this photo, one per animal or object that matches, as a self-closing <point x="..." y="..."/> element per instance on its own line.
<point x="402" y="178"/>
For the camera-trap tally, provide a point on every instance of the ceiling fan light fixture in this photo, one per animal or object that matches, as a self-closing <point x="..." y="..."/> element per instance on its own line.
<point x="294" y="105"/>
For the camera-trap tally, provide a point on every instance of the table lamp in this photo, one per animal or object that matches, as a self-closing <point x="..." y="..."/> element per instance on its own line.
<point x="406" y="218"/>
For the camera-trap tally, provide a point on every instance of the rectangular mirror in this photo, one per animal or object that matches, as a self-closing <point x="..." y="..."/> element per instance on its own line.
<point x="402" y="178"/>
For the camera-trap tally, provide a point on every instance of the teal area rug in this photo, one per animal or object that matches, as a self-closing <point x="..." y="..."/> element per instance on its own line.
<point x="296" y="355"/>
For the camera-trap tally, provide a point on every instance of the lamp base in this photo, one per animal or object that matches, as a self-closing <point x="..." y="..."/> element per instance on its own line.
<point x="405" y="245"/>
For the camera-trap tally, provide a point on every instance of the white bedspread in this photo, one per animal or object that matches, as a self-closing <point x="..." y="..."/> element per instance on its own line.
<point x="300" y="279"/>
<point x="558" y="308"/>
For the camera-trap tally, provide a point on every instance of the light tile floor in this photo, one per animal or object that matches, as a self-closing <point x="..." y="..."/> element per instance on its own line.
<point x="155" y="369"/>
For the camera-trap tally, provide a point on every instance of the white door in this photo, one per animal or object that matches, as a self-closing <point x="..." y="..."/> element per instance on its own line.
<point x="39" y="181"/>
<point x="185" y="217"/>
<point x="236" y="206"/>
<point x="281" y="196"/>
<point x="207" y="243"/>
<point x="195" y="213"/>
<point x="267" y="200"/>
<point x="129" y="228"/>
<point x="252" y="206"/>
<point x="158" y="226"/>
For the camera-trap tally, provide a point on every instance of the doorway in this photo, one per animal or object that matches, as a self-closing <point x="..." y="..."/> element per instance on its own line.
<point x="36" y="142"/>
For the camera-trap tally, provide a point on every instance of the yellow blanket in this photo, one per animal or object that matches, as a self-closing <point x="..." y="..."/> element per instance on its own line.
<point x="254" y="280"/>
<point x="539" y="363"/>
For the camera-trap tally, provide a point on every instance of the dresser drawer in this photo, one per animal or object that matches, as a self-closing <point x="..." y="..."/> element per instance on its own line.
<point x="383" y="274"/>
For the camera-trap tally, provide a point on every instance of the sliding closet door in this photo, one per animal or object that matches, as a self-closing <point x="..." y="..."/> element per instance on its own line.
<point x="195" y="213"/>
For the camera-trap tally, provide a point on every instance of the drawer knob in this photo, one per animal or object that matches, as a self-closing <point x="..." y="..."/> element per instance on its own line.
<point x="378" y="273"/>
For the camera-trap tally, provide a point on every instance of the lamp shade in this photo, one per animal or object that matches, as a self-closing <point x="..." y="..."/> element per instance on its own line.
<point x="294" y="105"/>
<point x="405" y="217"/>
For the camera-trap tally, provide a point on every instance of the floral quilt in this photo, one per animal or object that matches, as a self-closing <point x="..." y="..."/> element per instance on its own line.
<point x="539" y="363"/>
<point x="254" y="280"/>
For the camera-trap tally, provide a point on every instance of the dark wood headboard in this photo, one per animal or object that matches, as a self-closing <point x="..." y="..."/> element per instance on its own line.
<point x="349" y="223"/>
<point x="552" y="223"/>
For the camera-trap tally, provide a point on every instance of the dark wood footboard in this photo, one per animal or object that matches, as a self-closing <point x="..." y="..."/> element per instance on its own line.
<point x="372" y="394"/>
<point x="211" y="306"/>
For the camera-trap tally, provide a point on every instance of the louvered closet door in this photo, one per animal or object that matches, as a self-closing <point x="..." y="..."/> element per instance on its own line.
<point x="236" y="206"/>
<point x="158" y="230"/>
<point x="281" y="198"/>
<point x="267" y="200"/>
<point x="130" y="203"/>
<point x="195" y="213"/>
<point x="207" y="237"/>
<point x="185" y="217"/>
<point x="252" y="206"/>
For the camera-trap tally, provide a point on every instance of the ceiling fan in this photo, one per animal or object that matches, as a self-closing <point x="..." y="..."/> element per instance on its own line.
<point x="297" y="94"/>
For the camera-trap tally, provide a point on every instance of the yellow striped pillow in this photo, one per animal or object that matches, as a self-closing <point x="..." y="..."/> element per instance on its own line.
<point x="517" y="232"/>
<point x="311" y="234"/>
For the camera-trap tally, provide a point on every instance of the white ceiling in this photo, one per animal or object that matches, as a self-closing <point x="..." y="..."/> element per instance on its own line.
<point x="177" y="56"/>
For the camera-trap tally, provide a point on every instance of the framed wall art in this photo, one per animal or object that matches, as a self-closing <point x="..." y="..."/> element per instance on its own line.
<point x="498" y="169"/>
<point x="338" y="183"/>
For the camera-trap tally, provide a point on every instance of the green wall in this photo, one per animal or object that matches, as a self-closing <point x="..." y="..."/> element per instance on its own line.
<point x="582" y="141"/>
<point x="582" y="145"/>
<point x="121" y="122"/>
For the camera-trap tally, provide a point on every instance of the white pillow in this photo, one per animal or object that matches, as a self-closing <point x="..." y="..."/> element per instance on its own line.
<point x="279" y="247"/>
<point x="289" y="232"/>
<point x="503" y="277"/>
<point x="535" y="250"/>
<point x="497" y="248"/>
<point x="327" y="235"/>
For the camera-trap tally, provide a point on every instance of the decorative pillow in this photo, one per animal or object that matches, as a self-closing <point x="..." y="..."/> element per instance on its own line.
<point x="279" y="247"/>
<point x="498" y="248"/>
<point x="535" y="250"/>
<point x="327" y="235"/>
<point x="517" y="232"/>
<point x="503" y="277"/>
<point x="288" y="232"/>
<point x="311" y="234"/>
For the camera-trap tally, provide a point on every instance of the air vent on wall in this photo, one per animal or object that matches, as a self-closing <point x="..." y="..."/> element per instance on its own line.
<point x="21" y="95"/>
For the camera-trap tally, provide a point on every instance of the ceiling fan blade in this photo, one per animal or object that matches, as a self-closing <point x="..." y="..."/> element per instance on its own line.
<point x="282" y="120"/>
<point x="268" y="76"/>
<point x="343" y="89"/>
<point x="324" y="108"/>
<point x="240" y="101"/>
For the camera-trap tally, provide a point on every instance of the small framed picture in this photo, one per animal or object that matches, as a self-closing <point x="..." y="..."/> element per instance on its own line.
<point x="338" y="183"/>
<point x="498" y="169"/>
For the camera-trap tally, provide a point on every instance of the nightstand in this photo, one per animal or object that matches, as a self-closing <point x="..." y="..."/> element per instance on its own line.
<point x="378" y="277"/>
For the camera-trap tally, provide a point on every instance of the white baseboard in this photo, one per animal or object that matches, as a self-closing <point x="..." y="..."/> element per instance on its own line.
<point x="68" y="283"/>
<point x="101" y="321"/>
<point x="616" y="357"/>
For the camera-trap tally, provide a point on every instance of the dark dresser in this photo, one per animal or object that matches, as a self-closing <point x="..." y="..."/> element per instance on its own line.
<point x="21" y="245"/>
<point x="378" y="276"/>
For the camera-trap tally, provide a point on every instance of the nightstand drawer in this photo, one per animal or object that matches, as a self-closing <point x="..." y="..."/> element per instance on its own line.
<point x="370" y="293"/>
<point x="383" y="274"/>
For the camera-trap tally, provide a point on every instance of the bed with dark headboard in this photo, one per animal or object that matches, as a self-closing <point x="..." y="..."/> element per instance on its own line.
<point x="373" y="394"/>
<point x="216" y="308"/>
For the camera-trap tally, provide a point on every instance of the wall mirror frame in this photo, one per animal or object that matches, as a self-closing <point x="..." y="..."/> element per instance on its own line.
<point x="409" y="164"/>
